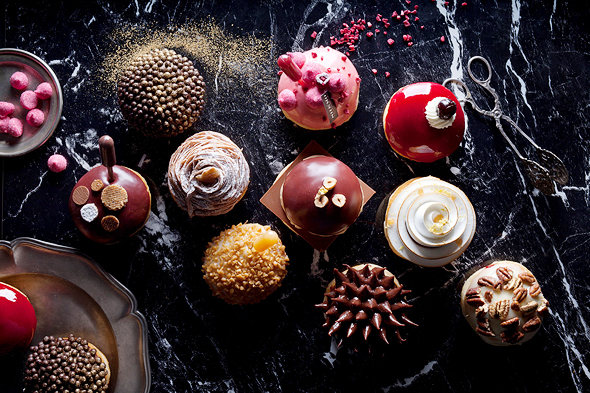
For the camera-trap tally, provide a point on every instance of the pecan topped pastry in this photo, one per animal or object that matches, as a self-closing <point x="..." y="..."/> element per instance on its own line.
<point x="503" y="303"/>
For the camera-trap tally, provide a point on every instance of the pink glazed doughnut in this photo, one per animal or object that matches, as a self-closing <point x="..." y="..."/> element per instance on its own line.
<point x="319" y="70"/>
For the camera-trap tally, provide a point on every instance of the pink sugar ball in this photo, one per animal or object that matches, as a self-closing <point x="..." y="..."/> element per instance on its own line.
<point x="4" y="125"/>
<point x="15" y="127"/>
<point x="337" y="83"/>
<point x="19" y="80"/>
<point x="287" y="100"/>
<point x="298" y="58"/>
<point x="44" y="91"/>
<point x="6" y="108"/>
<point x="310" y="70"/>
<point x="28" y="99"/>
<point x="35" y="117"/>
<point x="57" y="163"/>
<point x="313" y="98"/>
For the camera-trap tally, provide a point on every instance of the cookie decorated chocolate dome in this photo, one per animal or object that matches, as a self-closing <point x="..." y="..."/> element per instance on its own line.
<point x="161" y="93"/>
<point x="69" y="364"/>
<point x="365" y="304"/>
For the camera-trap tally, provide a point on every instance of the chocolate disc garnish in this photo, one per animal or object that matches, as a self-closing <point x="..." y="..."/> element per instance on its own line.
<point x="97" y="185"/>
<point x="109" y="223"/>
<point x="114" y="197"/>
<point x="80" y="195"/>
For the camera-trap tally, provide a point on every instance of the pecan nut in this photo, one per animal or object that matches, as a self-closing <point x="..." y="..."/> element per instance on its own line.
<point x="520" y="294"/>
<point x="481" y="311"/>
<point x="511" y="336"/>
<point x="532" y="324"/>
<point x="543" y="309"/>
<point x="511" y="323"/>
<point x="483" y="328"/>
<point x="529" y="308"/>
<point x="512" y="284"/>
<point x="488" y="296"/>
<point x="489" y="282"/>
<point x="535" y="290"/>
<point x="504" y="273"/>
<point x="500" y="309"/>
<point x="473" y="297"/>
<point x="527" y="277"/>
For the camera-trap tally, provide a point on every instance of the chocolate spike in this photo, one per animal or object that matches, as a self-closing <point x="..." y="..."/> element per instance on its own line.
<point x="352" y="289"/>
<point x="327" y="323"/>
<point x="355" y="302"/>
<point x="392" y="293"/>
<point x="365" y="271"/>
<point x="383" y="335"/>
<point x="399" y="336"/>
<point x="390" y="320"/>
<point x="363" y="292"/>
<point x="324" y="306"/>
<point x="350" y="274"/>
<point x="331" y="294"/>
<point x="361" y="315"/>
<point x="340" y="277"/>
<point x="333" y="310"/>
<point x="340" y="343"/>
<point x="379" y="272"/>
<point x="352" y="329"/>
<point x="345" y="316"/>
<point x="335" y="327"/>
<point x="406" y="320"/>
<point x="379" y="293"/>
<point x="342" y="300"/>
<point x="372" y="280"/>
<point x="376" y="320"/>
<point x="370" y="304"/>
<point x="341" y="290"/>
<point x="387" y="282"/>
<point x="406" y="291"/>
<point x="366" y="331"/>
<point x="399" y="305"/>
<point x="384" y="307"/>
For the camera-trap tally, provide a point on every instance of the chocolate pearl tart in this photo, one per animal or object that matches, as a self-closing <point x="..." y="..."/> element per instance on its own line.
<point x="122" y="223"/>
<point x="306" y="181"/>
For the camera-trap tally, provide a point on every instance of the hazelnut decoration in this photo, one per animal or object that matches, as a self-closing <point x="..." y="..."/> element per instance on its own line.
<point x="69" y="364"/>
<point x="364" y="299"/>
<point x="161" y="93"/>
<point x="245" y="264"/>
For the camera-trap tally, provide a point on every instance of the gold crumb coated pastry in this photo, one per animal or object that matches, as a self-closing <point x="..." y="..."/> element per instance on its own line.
<point x="245" y="264"/>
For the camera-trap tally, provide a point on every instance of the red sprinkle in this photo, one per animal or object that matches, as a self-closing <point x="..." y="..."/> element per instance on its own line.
<point x="415" y="7"/>
<point x="314" y="34"/>
<point x="369" y="25"/>
<point x="387" y="74"/>
<point x="407" y="23"/>
<point x="280" y="73"/>
<point x="408" y="1"/>
<point x="410" y="43"/>
<point x="314" y="55"/>
<point x="343" y="58"/>
<point x="385" y="32"/>
<point x="390" y="41"/>
<point x="346" y="111"/>
<point x="377" y="30"/>
<point x="446" y="3"/>
<point x="394" y="14"/>
<point x="387" y="25"/>
<point x="422" y="27"/>
<point x="369" y="34"/>
<point x="464" y="4"/>
<point x="416" y="19"/>
<point x="374" y="71"/>
<point x="442" y="39"/>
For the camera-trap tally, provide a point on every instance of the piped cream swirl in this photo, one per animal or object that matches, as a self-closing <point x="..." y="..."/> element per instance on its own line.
<point x="432" y="116"/>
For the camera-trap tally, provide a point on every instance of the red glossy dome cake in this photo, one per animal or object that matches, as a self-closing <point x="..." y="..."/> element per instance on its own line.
<point x="17" y="319"/>
<point x="424" y="122"/>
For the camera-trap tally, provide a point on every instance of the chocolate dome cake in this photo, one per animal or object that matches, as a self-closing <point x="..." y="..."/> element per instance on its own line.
<point x="161" y="94"/>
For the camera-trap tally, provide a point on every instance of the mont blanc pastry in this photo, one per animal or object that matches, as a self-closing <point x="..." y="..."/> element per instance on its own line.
<point x="318" y="89"/>
<point x="424" y="122"/>
<point x="17" y="319"/>
<point x="366" y="305"/>
<point x="161" y="94"/>
<point x="503" y="303"/>
<point x="322" y="195"/>
<point x="208" y="174"/>
<point x="66" y="364"/>
<point x="245" y="264"/>
<point x="110" y="202"/>
<point x="429" y="222"/>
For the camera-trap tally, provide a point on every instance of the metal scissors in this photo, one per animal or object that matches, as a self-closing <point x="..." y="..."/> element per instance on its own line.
<point x="541" y="174"/>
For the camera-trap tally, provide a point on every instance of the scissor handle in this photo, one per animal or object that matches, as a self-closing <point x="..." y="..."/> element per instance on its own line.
<point x="486" y="81"/>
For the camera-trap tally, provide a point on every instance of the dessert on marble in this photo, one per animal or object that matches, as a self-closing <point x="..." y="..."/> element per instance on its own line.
<point x="503" y="303"/>
<point x="424" y="122"/>
<point x="208" y="174"/>
<point x="245" y="264"/>
<point x="17" y="319"/>
<point x="322" y="196"/>
<point x="57" y="163"/>
<point x="318" y="88"/>
<point x="110" y="202"/>
<point x="161" y="94"/>
<point x="365" y="304"/>
<point x="69" y="364"/>
<point x="429" y="222"/>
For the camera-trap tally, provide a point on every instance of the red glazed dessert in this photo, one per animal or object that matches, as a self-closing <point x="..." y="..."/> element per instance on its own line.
<point x="424" y="122"/>
<point x="309" y="75"/>
<point x="110" y="202"/>
<point x="322" y="195"/>
<point x="17" y="319"/>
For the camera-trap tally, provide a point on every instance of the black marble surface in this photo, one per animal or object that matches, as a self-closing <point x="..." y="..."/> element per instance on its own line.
<point x="539" y="51"/>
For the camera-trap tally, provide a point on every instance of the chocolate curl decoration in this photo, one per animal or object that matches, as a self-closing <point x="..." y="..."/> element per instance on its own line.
<point x="290" y="69"/>
<point x="107" y="154"/>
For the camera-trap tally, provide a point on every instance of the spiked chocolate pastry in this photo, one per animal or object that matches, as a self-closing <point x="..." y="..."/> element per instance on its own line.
<point x="365" y="304"/>
<point x="110" y="202"/>
<point x="161" y="94"/>
<point x="503" y="303"/>
<point x="69" y="364"/>
<point x="245" y="264"/>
